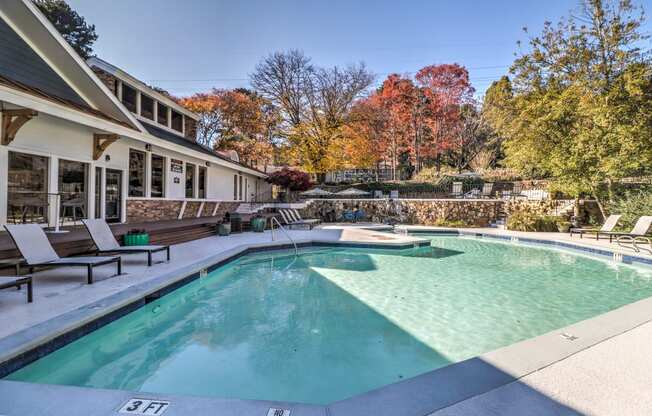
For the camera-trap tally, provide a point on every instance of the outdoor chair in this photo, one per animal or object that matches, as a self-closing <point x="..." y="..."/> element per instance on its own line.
<point x="33" y="244"/>
<point x="636" y="236"/>
<point x="393" y="194"/>
<point x="608" y="226"/>
<point x="290" y="221"/>
<point x="348" y="216"/>
<point x="106" y="242"/>
<point x="297" y="217"/>
<point x="17" y="282"/>
<point x="487" y="188"/>
<point x="457" y="190"/>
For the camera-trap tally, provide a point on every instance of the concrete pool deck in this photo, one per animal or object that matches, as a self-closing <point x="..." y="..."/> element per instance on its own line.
<point x="599" y="366"/>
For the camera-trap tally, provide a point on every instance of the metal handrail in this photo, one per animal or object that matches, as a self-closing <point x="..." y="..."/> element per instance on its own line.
<point x="274" y="220"/>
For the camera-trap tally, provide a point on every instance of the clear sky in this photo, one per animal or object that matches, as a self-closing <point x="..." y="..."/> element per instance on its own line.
<point x="186" y="46"/>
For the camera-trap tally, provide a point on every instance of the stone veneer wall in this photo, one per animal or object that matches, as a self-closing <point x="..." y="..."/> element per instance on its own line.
<point x="146" y="210"/>
<point x="472" y="212"/>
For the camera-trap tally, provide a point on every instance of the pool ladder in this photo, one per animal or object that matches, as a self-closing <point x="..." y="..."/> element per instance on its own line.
<point x="274" y="220"/>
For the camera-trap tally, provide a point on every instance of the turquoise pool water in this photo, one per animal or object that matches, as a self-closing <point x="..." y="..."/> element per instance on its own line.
<point x="340" y="321"/>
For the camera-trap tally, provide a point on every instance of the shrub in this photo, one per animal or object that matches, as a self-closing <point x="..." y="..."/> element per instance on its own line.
<point x="632" y="206"/>
<point x="530" y="221"/>
<point x="291" y="179"/>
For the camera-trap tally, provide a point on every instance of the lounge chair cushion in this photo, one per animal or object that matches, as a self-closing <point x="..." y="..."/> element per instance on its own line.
<point x="610" y="223"/>
<point x="101" y="234"/>
<point x="32" y="243"/>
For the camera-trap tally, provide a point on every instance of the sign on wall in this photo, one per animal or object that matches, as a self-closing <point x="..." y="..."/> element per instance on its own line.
<point x="176" y="165"/>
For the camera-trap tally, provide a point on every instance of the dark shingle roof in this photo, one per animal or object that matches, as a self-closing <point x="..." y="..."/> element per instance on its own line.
<point x="176" y="139"/>
<point x="20" y="63"/>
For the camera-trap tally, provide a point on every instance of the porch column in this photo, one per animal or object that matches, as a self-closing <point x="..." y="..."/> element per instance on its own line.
<point x="4" y="178"/>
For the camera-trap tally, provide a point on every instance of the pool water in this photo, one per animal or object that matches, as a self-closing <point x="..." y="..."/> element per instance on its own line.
<point x="336" y="322"/>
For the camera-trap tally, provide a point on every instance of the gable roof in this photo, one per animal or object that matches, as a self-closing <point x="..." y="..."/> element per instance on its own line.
<point x="24" y="19"/>
<point x="173" y="138"/>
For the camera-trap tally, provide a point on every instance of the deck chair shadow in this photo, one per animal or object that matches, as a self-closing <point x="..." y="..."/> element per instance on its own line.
<point x="34" y="246"/>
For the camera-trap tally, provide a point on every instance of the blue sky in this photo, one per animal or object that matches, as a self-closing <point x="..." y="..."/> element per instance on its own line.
<point x="192" y="45"/>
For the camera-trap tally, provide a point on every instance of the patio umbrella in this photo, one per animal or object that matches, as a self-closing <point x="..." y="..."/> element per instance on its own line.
<point x="316" y="192"/>
<point x="353" y="192"/>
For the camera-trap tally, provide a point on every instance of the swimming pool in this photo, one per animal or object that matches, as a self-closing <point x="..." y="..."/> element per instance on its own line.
<point x="337" y="322"/>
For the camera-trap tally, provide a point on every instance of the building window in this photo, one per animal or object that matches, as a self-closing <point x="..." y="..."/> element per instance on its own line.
<point x="98" y="192"/>
<point x="177" y="121"/>
<point x="27" y="199"/>
<point x="158" y="176"/>
<point x="235" y="187"/>
<point x="240" y="189"/>
<point x="136" y="173"/>
<point x="146" y="107"/>
<point x="201" y="183"/>
<point x="162" y="115"/>
<point x="129" y="98"/>
<point x="190" y="180"/>
<point x="73" y="178"/>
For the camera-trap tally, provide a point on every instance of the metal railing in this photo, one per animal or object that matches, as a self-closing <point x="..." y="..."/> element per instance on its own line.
<point x="274" y="220"/>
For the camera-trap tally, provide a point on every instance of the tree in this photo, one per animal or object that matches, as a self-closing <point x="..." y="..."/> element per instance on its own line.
<point x="291" y="179"/>
<point x="579" y="106"/>
<point x="471" y="135"/>
<point x="239" y="120"/>
<point x="446" y="89"/>
<point x="313" y="103"/>
<point x="70" y="24"/>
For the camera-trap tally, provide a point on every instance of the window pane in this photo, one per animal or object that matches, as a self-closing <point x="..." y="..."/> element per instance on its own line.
<point x="162" y="116"/>
<point x="240" y="190"/>
<point x="177" y="121"/>
<point x="146" y="107"/>
<point x="190" y="180"/>
<point x="73" y="187"/>
<point x="136" y="173"/>
<point x="201" y="179"/>
<point x="158" y="179"/>
<point x="98" y="192"/>
<point x="27" y="199"/>
<point x="129" y="97"/>
<point x="235" y="187"/>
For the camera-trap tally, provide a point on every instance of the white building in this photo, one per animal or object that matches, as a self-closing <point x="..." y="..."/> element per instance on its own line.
<point x="99" y="141"/>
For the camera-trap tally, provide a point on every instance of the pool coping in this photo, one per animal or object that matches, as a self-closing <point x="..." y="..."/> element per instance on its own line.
<point x="417" y="396"/>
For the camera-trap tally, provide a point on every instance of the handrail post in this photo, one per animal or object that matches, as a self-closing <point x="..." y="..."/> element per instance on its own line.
<point x="274" y="220"/>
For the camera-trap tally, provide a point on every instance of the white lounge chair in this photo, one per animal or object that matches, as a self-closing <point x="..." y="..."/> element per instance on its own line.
<point x="608" y="226"/>
<point x="637" y="236"/>
<point x="487" y="188"/>
<point x="106" y="242"/>
<point x="297" y="216"/>
<point x="34" y="246"/>
<point x="290" y="220"/>
<point x="17" y="282"/>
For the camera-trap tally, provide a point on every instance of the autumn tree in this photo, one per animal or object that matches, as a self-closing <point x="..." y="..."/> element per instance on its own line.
<point x="73" y="27"/>
<point x="446" y="89"/>
<point x="313" y="103"/>
<point x="239" y="120"/>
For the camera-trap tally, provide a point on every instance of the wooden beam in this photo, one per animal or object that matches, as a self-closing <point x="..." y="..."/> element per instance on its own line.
<point x="101" y="142"/>
<point x="12" y="121"/>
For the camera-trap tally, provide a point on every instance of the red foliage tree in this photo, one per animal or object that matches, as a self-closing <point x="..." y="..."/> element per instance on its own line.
<point x="291" y="179"/>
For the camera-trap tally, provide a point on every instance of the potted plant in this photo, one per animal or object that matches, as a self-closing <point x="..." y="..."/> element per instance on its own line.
<point x="136" y="237"/>
<point x="224" y="227"/>
<point x="258" y="224"/>
<point x="563" y="225"/>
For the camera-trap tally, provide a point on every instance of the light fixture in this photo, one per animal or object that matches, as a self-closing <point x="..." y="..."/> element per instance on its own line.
<point x="208" y="164"/>
<point x="107" y="158"/>
<point x="148" y="147"/>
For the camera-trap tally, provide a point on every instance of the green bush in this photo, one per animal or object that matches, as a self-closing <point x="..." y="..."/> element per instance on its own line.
<point x="631" y="207"/>
<point x="529" y="221"/>
<point x="442" y="222"/>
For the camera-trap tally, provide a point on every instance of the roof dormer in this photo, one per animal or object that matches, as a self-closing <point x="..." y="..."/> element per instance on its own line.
<point x="148" y="105"/>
